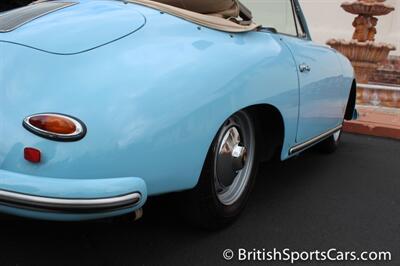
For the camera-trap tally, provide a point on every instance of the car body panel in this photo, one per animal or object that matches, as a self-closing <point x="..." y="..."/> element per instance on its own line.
<point x="79" y="27"/>
<point x="321" y="88"/>
<point x="152" y="102"/>
<point x="118" y="106"/>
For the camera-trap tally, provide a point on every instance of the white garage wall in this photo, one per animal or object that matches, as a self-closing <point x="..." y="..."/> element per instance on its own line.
<point x="326" y="20"/>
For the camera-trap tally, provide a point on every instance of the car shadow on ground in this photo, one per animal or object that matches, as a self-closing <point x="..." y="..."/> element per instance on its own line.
<point x="309" y="202"/>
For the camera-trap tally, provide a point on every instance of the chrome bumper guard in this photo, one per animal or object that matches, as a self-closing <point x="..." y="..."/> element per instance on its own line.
<point x="69" y="205"/>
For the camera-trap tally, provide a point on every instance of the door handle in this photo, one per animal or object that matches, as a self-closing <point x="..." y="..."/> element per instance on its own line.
<point x="304" y="68"/>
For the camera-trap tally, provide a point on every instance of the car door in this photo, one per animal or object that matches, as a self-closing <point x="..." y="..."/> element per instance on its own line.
<point x="320" y="80"/>
<point x="319" y="70"/>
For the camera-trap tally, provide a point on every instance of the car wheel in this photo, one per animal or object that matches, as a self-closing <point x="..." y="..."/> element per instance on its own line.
<point x="331" y="144"/>
<point x="227" y="176"/>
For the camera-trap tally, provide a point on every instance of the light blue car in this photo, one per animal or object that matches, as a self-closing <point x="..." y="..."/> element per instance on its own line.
<point x="104" y="103"/>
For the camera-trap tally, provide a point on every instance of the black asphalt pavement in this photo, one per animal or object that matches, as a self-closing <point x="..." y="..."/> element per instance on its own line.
<point x="349" y="200"/>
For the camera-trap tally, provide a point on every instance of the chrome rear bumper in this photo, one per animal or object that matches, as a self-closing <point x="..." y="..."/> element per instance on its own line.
<point x="69" y="205"/>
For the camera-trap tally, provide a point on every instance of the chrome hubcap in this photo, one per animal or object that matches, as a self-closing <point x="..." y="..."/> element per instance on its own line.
<point x="231" y="157"/>
<point x="234" y="158"/>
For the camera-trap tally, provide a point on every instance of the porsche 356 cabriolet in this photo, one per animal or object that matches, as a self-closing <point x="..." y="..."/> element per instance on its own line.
<point x="107" y="102"/>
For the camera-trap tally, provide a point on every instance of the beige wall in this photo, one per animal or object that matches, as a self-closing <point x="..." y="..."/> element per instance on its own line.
<point x="326" y="19"/>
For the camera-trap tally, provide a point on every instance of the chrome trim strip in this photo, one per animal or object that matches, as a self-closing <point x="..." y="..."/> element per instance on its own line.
<point x="313" y="141"/>
<point x="63" y="204"/>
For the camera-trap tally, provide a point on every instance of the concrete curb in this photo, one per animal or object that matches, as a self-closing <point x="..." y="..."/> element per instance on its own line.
<point x="376" y="121"/>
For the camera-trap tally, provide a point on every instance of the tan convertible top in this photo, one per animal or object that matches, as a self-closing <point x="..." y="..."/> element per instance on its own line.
<point x="216" y="14"/>
<point x="221" y="8"/>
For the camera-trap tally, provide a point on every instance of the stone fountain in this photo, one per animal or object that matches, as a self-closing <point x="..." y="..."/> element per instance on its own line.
<point x="364" y="53"/>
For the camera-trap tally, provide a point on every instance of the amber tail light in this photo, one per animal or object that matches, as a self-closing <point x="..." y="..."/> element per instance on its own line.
<point x="55" y="126"/>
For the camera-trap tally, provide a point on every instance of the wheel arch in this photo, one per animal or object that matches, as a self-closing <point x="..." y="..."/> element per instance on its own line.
<point x="270" y="130"/>
<point x="269" y="139"/>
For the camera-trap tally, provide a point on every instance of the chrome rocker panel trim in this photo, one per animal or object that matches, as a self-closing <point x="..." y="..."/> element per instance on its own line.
<point x="69" y="205"/>
<point x="309" y="143"/>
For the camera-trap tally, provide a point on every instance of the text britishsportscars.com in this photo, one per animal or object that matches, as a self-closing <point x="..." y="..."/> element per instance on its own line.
<point x="293" y="256"/>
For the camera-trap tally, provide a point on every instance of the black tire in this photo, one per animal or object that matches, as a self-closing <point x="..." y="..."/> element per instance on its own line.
<point x="331" y="144"/>
<point x="202" y="205"/>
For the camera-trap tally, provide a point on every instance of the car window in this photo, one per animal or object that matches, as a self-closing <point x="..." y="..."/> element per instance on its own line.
<point x="277" y="14"/>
